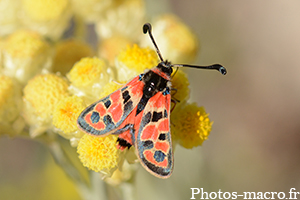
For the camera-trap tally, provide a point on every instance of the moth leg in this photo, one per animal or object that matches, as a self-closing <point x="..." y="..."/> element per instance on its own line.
<point x="175" y="91"/>
<point x="174" y="101"/>
<point x="175" y="72"/>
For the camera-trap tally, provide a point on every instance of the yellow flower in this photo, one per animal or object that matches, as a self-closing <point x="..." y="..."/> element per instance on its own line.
<point x="109" y="88"/>
<point x="44" y="10"/>
<point x="68" y="52"/>
<point x="65" y="116"/>
<point x="41" y="95"/>
<point x="181" y="83"/>
<point x="175" y="40"/>
<point x="10" y="105"/>
<point x="25" y="54"/>
<point x="191" y="125"/>
<point x="9" y="20"/>
<point x="48" y="17"/>
<point x="125" y="17"/>
<point x="134" y="60"/>
<point x="90" y="10"/>
<point x="88" y="76"/>
<point x="99" y="153"/>
<point x="24" y="44"/>
<point x="109" y="48"/>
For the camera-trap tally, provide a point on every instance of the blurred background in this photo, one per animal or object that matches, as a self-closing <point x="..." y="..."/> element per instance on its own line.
<point x="254" y="144"/>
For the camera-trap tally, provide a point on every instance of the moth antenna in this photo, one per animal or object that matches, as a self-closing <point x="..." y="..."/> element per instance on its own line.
<point x="218" y="67"/>
<point x="148" y="28"/>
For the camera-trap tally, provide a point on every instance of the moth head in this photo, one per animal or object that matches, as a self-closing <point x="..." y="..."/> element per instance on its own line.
<point x="166" y="67"/>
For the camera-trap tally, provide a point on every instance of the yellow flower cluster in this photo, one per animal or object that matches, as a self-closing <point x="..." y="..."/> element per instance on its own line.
<point x="191" y="125"/>
<point x="181" y="84"/>
<point x="44" y="10"/>
<point x="99" y="153"/>
<point x="25" y="54"/>
<point x="10" y="105"/>
<point x="62" y="77"/>
<point x="65" y="115"/>
<point x="68" y="52"/>
<point x="24" y="44"/>
<point x="43" y="92"/>
<point x="134" y="60"/>
<point x="88" y="76"/>
<point x="41" y="96"/>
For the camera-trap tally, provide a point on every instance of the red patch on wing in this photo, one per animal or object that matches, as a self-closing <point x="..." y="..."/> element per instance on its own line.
<point x="115" y="97"/>
<point x="100" y="109"/>
<point x="163" y="125"/>
<point x="149" y="132"/>
<point x="116" y="111"/>
<point x="99" y="125"/>
<point x="163" y="146"/>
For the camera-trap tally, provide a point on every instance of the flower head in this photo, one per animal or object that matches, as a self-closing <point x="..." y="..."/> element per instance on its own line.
<point x="90" y="10"/>
<point x="65" y="116"/>
<point x="176" y="41"/>
<point x="9" y="20"/>
<point x="69" y="52"/>
<point x="99" y="153"/>
<point x="180" y="82"/>
<point x="10" y="106"/>
<point x="48" y="17"/>
<point x="88" y="76"/>
<point x="44" y="10"/>
<point x="134" y="60"/>
<point x="24" y="44"/>
<point x="125" y="18"/>
<point x="109" y="48"/>
<point x="191" y="125"/>
<point x="25" y="54"/>
<point x="41" y="95"/>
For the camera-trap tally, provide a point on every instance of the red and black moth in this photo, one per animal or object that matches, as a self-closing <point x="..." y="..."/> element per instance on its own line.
<point x="139" y="113"/>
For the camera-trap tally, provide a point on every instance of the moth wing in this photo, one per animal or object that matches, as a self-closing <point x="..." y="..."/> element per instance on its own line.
<point x="108" y="114"/>
<point x="153" y="138"/>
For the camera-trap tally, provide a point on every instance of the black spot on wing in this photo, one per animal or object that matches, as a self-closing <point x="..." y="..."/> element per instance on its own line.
<point x="156" y="116"/>
<point x="159" y="156"/>
<point x="148" y="144"/>
<point x="125" y="96"/>
<point x="95" y="117"/>
<point x="147" y="118"/>
<point x="128" y="106"/>
<point x="162" y="136"/>
<point x="123" y="143"/>
<point x="107" y="104"/>
<point x="165" y="114"/>
<point x="108" y="121"/>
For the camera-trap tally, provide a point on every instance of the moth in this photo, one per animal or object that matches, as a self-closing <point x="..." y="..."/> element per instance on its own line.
<point x="139" y="113"/>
